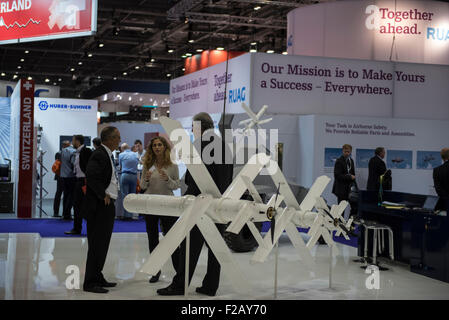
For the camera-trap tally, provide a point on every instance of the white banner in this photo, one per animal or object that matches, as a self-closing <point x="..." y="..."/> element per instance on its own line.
<point x="204" y="90"/>
<point x="403" y="30"/>
<point x="313" y="85"/>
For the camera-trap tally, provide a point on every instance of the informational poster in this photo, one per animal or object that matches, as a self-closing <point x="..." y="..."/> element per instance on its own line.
<point x="33" y="20"/>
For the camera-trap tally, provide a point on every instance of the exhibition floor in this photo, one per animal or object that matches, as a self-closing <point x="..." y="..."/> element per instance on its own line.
<point x="32" y="267"/>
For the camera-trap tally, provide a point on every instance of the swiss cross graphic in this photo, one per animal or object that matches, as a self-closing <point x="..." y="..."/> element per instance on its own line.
<point x="27" y="86"/>
<point x="65" y="13"/>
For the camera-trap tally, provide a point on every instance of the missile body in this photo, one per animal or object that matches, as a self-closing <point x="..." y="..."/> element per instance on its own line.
<point x="220" y="210"/>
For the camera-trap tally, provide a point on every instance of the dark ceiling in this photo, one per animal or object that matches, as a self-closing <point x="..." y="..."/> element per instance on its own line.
<point x="135" y="31"/>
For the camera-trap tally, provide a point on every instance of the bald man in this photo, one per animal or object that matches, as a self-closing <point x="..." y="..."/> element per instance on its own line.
<point x="441" y="180"/>
<point x="128" y="162"/>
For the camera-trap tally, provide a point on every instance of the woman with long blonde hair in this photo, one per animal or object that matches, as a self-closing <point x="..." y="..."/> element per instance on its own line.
<point x="159" y="176"/>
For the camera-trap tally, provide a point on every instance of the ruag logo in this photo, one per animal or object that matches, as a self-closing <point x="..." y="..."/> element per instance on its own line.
<point x="43" y="105"/>
<point x="373" y="280"/>
<point x="237" y="95"/>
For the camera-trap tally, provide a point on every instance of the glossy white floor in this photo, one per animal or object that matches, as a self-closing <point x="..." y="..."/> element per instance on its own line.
<point x="32" y="267"/>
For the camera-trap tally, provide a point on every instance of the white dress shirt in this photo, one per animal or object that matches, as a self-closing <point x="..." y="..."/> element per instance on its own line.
<point x="112" y="189"/>
<point x="78" y="172"/>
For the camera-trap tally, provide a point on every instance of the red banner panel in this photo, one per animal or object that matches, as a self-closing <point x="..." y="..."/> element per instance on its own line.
<point x="32" y="20"/>
<point x="26" y="150"/>
<point x="208" y="58"/>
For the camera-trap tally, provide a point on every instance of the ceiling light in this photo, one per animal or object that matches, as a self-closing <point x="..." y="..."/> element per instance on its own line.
<point x="199" y="50"/>
<point x="26" y="51"/>
<point x="270" y="51"/>
<point x="191" y="41"/>
<point x="59" y="79"/>
<point x="15" y="76"/>
<point x="54" y="83"/>
<point x="125" y="73"/>
<point x="90" y="55"/>
<point x="183" y="69"/>
<point x="285" y="53"/>
<point x="22" y="60"/>
<point x="252" y="50"/>
<point x="137" y="67"/>
<point x="115" y="78"/>
<point x="257" y="8"/>
<point x="170" y="50"/>
<point x="152" y="60"/>
<point x="19" y="67"/>
<point x="129" y="98"/>
<point x="100" y="44"/>
<point x="30" y="78"/>
<point x="47" y="80"/>
<point x="253" y="43"/>
<point x="3" y="74"/>
<point x="72" y="69"/>
<point x="99" y="77"/>
<point x="188" y="54"/>
<point x="220" y="48"/>
<point x="168" y="74"/>
<point x="183" y="56"/>
<point x="80" y="63"/>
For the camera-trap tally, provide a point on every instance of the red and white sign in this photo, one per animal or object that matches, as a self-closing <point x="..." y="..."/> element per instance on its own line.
<point x="33" y="20"/>
<point x="25" y="188"/>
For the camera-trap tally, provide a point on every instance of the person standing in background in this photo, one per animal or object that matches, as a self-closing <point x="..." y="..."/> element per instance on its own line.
<point x="441" y="181"/>
<point x="128" y="162"/>
<point x="376" y="168"/>
<point x="82" y="155"/>
<point x="59" y="183"/>
<point x="344" y="176"/>
<point x="96" y="142"/>
<point x="68" y="179"/>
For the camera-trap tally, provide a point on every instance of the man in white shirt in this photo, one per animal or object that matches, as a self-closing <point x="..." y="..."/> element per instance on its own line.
<point x="102" y="191"/>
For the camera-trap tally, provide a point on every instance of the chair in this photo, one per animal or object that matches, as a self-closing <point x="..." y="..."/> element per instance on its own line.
<point x="378" y="241"/>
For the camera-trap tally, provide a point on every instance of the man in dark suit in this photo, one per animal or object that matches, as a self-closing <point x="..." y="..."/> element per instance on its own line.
<point x="102" y="190"/>
<point x="376" y="168"/>
<point x="441" y="181"/>
<point x="82" y="155"/>
<point x="221" y="173"/>
<point x="344" y="176"/>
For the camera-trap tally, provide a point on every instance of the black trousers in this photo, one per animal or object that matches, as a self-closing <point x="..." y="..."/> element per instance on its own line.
<point x="152" y="222"/>
<point x="100" y="223"/>
<point x="78" y="205"/>
<point x="58" y="194"/>
<point x="211" y="280"/>
<point x="67" y="201"/>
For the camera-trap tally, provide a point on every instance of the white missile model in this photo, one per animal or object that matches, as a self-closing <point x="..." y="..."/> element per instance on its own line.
<point x="212" y="207"/>
<point x="254" y="119"/>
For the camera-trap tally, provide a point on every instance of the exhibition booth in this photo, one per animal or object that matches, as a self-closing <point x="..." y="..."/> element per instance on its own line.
<point x="33" y="133"/>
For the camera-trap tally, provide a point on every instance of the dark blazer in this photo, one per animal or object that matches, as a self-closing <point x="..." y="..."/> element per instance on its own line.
<point x="85" y="154"/>
<point x="220" y="173"/>
<point x="342" y="178"/>
<point x="441" y="180"/>
<point x="57" y="157"/>
<point x="98" y="176"/>
<point x="376" y="168"/>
